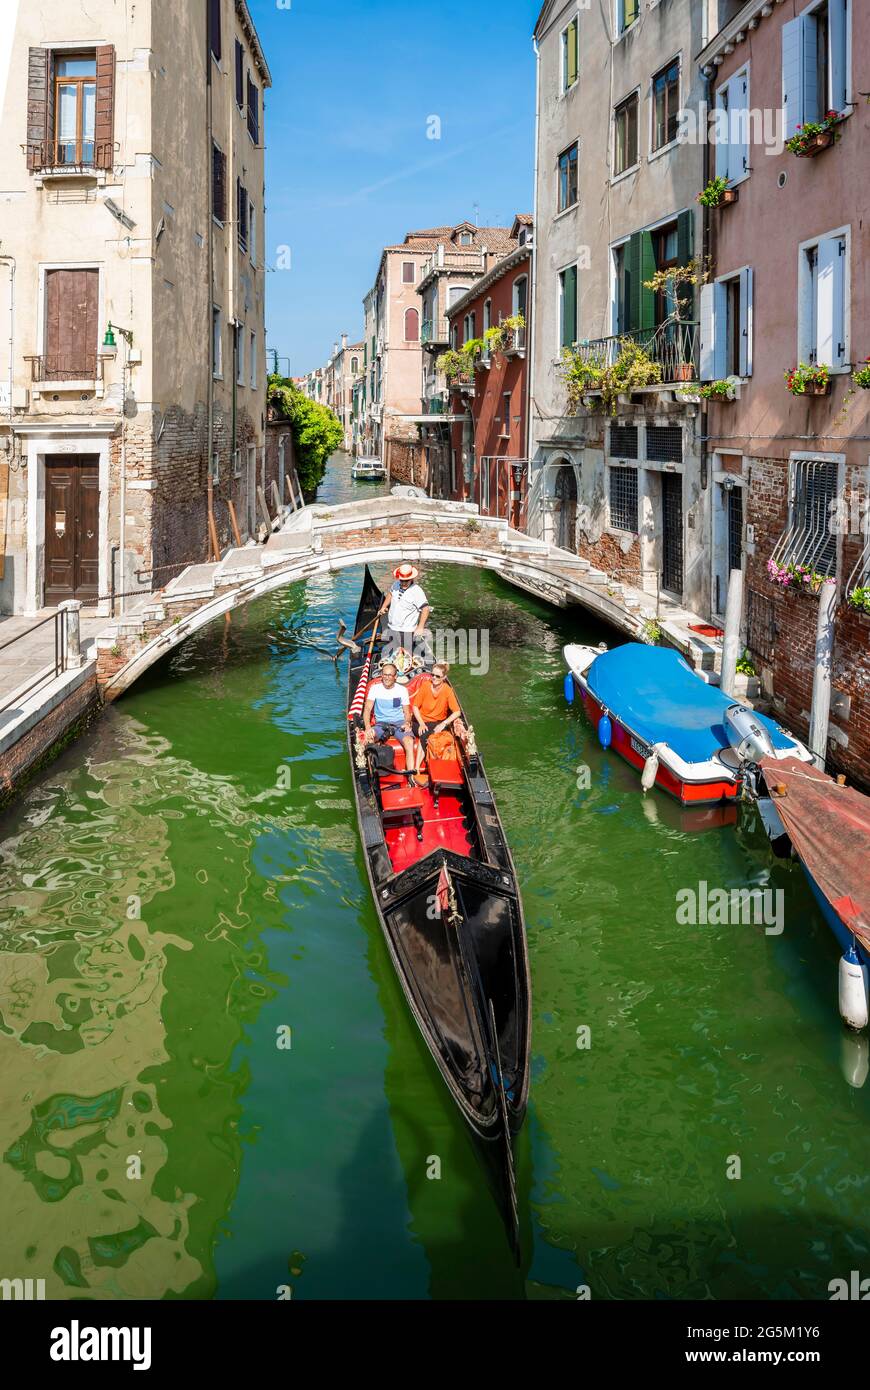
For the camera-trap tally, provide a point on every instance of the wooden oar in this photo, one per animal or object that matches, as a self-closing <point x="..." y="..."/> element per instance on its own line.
<point x="350" y="642"/>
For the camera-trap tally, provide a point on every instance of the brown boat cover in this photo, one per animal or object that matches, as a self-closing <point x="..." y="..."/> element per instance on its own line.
<point x="829" y="826"/>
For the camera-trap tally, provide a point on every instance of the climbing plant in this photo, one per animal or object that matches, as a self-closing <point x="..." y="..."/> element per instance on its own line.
<point x="317" y="432"/>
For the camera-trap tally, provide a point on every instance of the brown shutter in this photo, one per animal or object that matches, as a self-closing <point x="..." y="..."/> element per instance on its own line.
<point x="38" y="73"/>
<point x="104" y="121"/>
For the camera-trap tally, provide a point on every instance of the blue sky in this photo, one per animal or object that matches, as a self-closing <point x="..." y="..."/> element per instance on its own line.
<point x="349" y="166"/>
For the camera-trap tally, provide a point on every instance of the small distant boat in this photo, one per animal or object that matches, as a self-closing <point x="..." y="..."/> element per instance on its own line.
<point x="368" y="470"/>
<point x="681" y="734"/>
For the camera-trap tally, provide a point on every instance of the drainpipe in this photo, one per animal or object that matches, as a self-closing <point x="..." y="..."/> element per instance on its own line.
<point x="123" y="531"/>
<point x="705" y="409"/>
<point x="533" y="298"/>
<point x="10" y="261"/>
<point x="821" y="706"/>
<point x="210" y="216"/>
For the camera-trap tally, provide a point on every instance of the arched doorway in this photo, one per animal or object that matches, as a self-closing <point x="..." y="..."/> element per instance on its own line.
<point x="565" y="492"/>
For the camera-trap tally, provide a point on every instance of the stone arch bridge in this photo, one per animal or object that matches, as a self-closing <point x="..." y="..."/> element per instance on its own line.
<point x="381" y="531"/>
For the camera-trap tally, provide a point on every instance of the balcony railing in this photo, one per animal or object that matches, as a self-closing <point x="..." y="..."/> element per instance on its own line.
<point x="74" y="156"/>
<point x="467" y="260"/>
<point x="435" y="332"/>
<point x="57" y="367"/>
<point x="515" y="341"/>
<point x="674" y="346"/>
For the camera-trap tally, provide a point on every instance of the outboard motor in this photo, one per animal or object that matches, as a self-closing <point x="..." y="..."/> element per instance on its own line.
<point x="747" y="735"/>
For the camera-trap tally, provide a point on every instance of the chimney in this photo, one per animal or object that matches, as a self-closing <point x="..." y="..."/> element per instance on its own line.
<point x="344" y="340"/>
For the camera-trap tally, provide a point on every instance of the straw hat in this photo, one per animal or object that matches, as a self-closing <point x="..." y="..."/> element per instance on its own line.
<point x="405" y="572"/>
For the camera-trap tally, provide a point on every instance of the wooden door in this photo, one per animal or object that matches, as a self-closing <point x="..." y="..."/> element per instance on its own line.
<point x="72" y="530"/>
<point x="71" y="326"/>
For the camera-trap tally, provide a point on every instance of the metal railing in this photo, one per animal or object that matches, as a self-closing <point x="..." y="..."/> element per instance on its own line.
<point x="435" y="331"/>
<point x="65" y="367"/>
<point x="74" y="156"/>
<point x="673" y="346"/>
<point x="48" y="672"/>
<point x="515" y="341"/>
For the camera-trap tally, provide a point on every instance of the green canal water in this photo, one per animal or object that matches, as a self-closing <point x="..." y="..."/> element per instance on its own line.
<point x="185" y="884"/>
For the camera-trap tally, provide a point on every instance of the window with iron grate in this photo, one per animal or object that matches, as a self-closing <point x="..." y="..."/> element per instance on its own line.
<point x="664" y="443"/>
<point x="623" y="499"/>
<point x="623" y="441"/>
<point x="811" y="539"/>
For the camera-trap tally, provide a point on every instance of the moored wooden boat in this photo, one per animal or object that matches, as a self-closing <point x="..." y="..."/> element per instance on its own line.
<point x="446" y="894"/>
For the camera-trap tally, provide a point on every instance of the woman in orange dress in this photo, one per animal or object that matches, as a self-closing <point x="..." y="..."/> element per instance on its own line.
<point x="435" y="711"/>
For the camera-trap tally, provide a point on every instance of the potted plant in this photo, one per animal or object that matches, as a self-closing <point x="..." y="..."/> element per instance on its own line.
<point x="718" y="390"/>
<point x="860" y="598"/>
<point x="814" y="136"/>
<point x="794" y="576"/>
<point x="717" y="194"/>
<point x="677" y="283"/>
<point x="809" y="379"/>
<point x="861" y="376"/>
<point x="632" y="369"/>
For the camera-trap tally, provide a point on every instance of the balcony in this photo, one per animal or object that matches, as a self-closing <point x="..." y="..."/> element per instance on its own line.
<point x="69" y="157"/>
<point x="673" y="346"/>
<point x="515" y="343"/>
<point x="465" y="262"/>
<point x="435" y="333"/>
<point x="59" y="373"/>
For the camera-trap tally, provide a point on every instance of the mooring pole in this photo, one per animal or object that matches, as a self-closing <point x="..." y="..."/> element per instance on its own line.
<point x="731" y="644"/>
<point x="821" y="706"/>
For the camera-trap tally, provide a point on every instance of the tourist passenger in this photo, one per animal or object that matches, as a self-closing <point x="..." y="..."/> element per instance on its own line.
<point x="387" y="713"/>
<point x="436" y="712"/>
<point x="407" y="609"/>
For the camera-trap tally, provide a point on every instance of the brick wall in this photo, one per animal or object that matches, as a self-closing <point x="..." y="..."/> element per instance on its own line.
<point x="406" y="461"/>
<point x="40" y="744"/>
<point x="607" y="554"/>
<point x="788" y="675"/>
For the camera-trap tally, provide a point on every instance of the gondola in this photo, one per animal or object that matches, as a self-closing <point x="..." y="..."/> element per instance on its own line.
<point x="446" y="894"/>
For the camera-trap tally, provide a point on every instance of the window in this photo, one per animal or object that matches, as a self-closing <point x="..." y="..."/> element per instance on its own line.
<point x="214" y="27"/>
<point x="568" y="306"/>
<point x="240" y="76"/>
<point x="625" y="135"/>
<point x="237" y="463"/>
<point x="242" y="214"/>
<point x="469" y="325"/>
<point x="666" y="105"/>
<point x="253" y="110"/>
<point x="253" y="361"/>
<point x="620" y="317"/>
<point x="216" y="343"/>
<point x="726" y="327"/>
<point x="623" y="441"/>
<point x="252" y="232"/>
<point x="570" y="54"/>
<point x="822" y="300"/>
<point x="219" y="184"/>
<point x="216" y="468"/>
<point x="466" y="239"/>
<point x="71" y="323"/>
<point x="664" y="443"/>
<point x="409" y="272"/>
<point x="626" y="14"/>
<point x="75" y="104"/>
<point x="815" y="57"/>
<point x="354" y="366"/>
<point x="454" y="294"/>
<point x="732" y="128"/>
<point x="810" y="539"/>
<point x="667" y="254"/>
<point x="412" y="326"/>
<point x="454" y="337"/>
<point x="506" y="415"/>
<point x="452" y="470"/>
<point x="240" y="354"/>
<point x="568" y="178"/>
<point x="487" y="315"/>
<point x="623" y="498"/>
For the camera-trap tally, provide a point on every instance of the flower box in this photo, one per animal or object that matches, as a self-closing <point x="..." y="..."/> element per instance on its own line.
<point x="817" y="388"/>
<point x="816" y="145"/>
<point x="730" y="195"/>
<point x="684" y="371"/>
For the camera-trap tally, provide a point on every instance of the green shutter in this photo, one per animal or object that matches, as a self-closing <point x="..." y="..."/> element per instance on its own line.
<point x="572" y="53"/>
<point x="647" y="271"/>
<point x="632" y="284"/>
<point x="569" y="306"/>
<point x="685" y="252"/>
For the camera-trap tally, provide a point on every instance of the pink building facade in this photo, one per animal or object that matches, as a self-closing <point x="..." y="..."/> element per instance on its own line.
<point x="790" y="284"/>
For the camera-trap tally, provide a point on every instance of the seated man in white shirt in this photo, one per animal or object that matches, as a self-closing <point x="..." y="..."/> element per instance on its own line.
<point x="387" y="713"/>
<point x="407" y="609"/>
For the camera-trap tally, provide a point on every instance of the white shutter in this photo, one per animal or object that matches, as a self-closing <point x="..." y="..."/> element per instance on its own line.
<point x="739" y="104"/>
<point x="792" y="75"/>
<point x="723" y="131"/>
<point x="746" y="322"/>
<point x="714" y="302"/>
<point x="829" y="295"/>
<point x="838" y="54"/>
<point x="812" y="101"/>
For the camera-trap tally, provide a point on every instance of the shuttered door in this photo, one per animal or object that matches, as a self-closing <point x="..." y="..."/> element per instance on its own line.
<point x="72" y="510"/>
<point x="685" y="252"/>
<point x="104" y="120"/>
<point x="71" y="326"/>
<point x="640" y="267"/>
<point x="38" y="83"/>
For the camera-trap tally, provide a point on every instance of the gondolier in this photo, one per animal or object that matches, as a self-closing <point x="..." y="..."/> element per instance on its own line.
<point x="407" y="610"/>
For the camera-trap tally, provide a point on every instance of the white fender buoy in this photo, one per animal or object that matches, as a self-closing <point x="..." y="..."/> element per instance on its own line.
<point x="853" y="990"/>
<point x="855" y="1058"/>
<point x="650" y="771"/>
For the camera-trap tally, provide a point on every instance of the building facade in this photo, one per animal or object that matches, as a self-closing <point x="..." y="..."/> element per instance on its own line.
<point x="488" y="409"/>
<point x="133" y="403"/>
<point x="791" y="473"/>
<point x="620" y="478"/>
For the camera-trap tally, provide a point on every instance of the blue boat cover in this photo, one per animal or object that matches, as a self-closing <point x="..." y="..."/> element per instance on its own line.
<point x="656" y="694"/>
